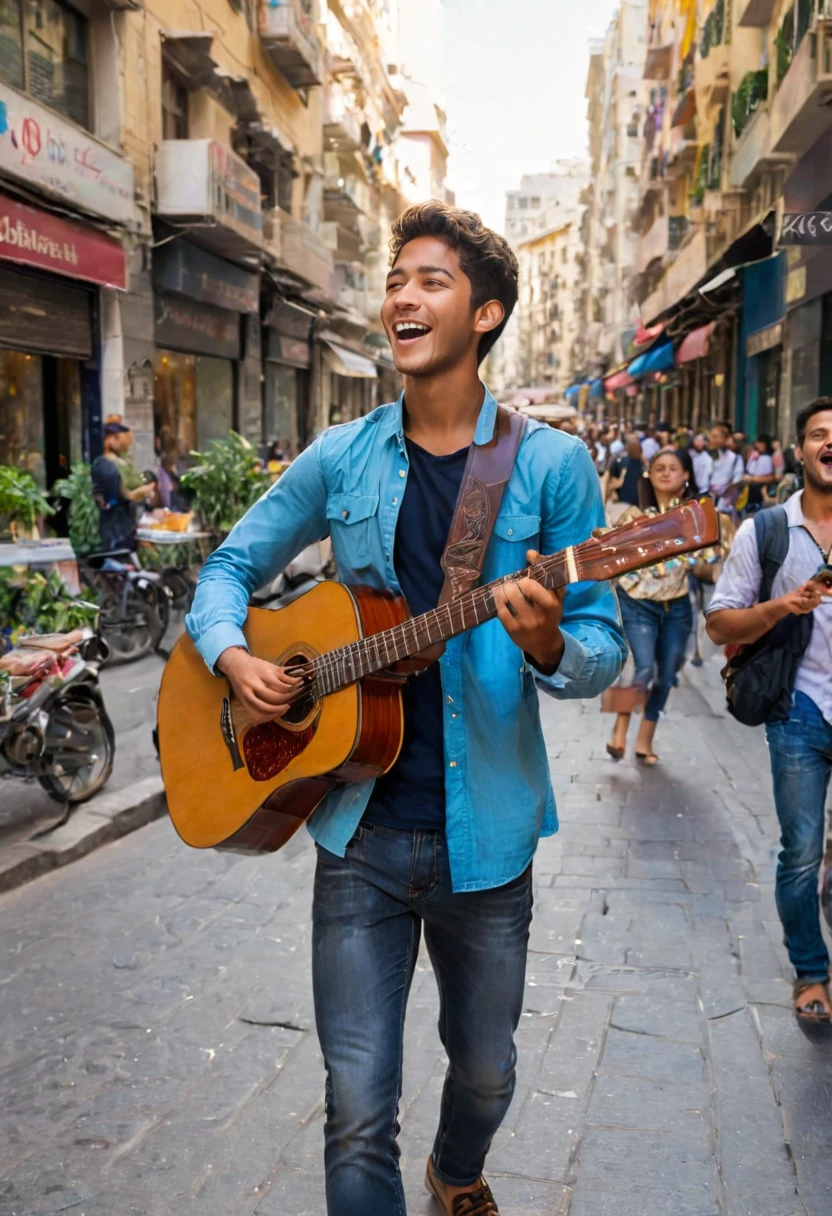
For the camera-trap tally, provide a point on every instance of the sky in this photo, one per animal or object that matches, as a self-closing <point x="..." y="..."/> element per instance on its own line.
<point x="513" y="80"/>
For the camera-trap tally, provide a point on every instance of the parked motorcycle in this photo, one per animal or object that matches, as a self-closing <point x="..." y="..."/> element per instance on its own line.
<point x="53" y="723"/>
<point x="135" y="603"/>
<point x="313" y="565"/>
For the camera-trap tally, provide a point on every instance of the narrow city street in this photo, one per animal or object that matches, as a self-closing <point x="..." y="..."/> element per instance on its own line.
<point x="159" y="1057"/>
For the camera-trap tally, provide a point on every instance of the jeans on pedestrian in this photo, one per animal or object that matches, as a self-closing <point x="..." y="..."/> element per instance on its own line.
<point x="367" y="915"/>
<point x="801" y="762"/>
<point x="657" y="634"/>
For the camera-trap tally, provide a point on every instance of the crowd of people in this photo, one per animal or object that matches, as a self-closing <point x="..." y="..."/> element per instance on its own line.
<point x="765" y="596"/>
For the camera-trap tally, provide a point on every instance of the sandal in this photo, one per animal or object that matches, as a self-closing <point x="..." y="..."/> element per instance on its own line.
<point x="814" y="1013"/>
<point x="648" y="759"/>
<point x="617" y="753"/>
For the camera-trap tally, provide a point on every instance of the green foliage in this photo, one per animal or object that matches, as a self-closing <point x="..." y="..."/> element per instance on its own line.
<point x="225" y="482"/>
<point x="713" y="31"/>
<point x="32" y="602"/>
<point x="84" y="517"/>
<point x="21" y="499"/>
<point x="752" y="91"/>
<point x="701" y="175"/>
<point x="784" y="46"/>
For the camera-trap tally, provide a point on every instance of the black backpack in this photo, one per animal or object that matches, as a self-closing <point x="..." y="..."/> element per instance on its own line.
<point x="759" y="678"/>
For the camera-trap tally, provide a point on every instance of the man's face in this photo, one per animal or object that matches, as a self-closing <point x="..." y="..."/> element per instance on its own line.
<point x="816" y="452"/>
<point x="699" y="443"/>
<point x="718" y="438"/>
<point x="125" y="442"/>
<point x="427" y="312"/>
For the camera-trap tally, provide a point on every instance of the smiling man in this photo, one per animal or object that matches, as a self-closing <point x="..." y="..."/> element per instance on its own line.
<point x="796" y="607"/>
<point x="445" y="840"/>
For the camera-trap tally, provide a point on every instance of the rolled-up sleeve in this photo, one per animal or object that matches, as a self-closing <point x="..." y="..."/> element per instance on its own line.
<point x="594" y="646"/>
<point x="738" y="585"/>
<point x="289" y="516"/>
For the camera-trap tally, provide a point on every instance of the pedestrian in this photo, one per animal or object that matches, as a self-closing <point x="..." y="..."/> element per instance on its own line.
<point x="445" y="840"/>
<point x="703" y="464"/>
<point x="621" y="490"/>
<point x="655" y="609"/>
<point x="117" y="522"/>
<point x="799" y="728"/>
<point x="759" y="472"/>
<point x="649" y="446"/>
<point x="728" y="470"/>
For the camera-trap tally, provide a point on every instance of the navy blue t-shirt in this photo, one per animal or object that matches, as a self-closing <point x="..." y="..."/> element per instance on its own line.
<point x="412" y="794"/>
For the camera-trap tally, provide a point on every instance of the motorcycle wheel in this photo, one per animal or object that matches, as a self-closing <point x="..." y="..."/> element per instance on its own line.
<point x="78" y="724"/>
<point x="180" y="588"/>
<point x="129" y="637"/>
<point x="157" y="598"/>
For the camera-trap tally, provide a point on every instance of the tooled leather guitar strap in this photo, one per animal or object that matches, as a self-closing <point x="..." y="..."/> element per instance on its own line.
<point x="487" y="472"/>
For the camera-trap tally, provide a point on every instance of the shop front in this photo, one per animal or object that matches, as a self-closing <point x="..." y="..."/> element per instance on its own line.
<point x="200" y="304"/>
<point x="350" y="382"/>
<point x="287" y="362"/>
<point x="50" y="272"/>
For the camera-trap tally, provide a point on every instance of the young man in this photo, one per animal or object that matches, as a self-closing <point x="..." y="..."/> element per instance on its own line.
<point x="446" y="839"/>
<point x="801" y="746"/>
<point x="728" y="470"/>
<point x="115" y="501"/>
<point x="703" y="464"/>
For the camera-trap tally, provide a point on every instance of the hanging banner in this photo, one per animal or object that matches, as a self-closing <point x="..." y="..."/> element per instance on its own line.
<point x="806" y="228"/>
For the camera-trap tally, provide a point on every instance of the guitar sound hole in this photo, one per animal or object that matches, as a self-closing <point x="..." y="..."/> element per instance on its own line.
<point x="305" y="703"/>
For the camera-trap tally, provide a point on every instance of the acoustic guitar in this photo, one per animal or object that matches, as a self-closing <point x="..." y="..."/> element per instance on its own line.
<point x="236" y="785"/>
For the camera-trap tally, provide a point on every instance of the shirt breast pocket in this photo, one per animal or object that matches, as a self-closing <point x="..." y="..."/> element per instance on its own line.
<point x="517" y="533"/>
<point x="353" y="524"/>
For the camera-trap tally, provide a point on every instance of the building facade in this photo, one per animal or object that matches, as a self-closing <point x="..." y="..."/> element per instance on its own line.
<point x="193" y="215"/>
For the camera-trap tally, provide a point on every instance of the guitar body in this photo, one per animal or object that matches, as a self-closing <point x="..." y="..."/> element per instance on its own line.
<point x="231" y="784"/>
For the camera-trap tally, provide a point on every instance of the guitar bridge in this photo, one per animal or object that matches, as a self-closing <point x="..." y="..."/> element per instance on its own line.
<point x="229" y="734"/>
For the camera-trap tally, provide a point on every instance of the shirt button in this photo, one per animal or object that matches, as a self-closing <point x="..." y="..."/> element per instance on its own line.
<point x="395" y="501"/>
<point x="453" y="764"/>
<point x="450" y="700"/>
<point x="345" y="514"/>
<point x="454" y="715"/>
<point x="402" y="472"/>
<point x="387" y="557"/>
<point x="510" y="532"/>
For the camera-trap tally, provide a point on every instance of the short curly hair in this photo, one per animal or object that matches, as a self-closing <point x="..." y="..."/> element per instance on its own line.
<point x="486" y="257"/>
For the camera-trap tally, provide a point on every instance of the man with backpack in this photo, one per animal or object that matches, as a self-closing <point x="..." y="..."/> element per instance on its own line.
<point x="773" y="599"/>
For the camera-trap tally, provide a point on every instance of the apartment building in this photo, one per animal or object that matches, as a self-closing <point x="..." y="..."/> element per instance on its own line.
<point x="733" y="295"/>
<point x="193" y="205"/>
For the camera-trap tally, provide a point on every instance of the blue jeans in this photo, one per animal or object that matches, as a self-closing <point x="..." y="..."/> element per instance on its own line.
<point x="801" y="761"/>
<point x="367" y="915"/>
<point x="657" y="635"/>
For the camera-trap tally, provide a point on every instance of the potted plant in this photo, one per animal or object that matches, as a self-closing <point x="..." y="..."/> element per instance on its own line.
<point x="84" y="519"/>
<point x="225" y="481"/>
<point x="22" y="503"/>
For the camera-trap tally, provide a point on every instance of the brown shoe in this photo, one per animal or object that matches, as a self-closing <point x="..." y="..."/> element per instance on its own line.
<point x="478" y="1201"/>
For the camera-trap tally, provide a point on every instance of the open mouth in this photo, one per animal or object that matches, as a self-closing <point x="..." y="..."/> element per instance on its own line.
<point x="410" y="331"/>
<point x="826" y="458"/>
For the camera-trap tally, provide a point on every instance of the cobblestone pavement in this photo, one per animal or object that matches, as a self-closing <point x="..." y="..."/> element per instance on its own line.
<point x="157" y="1053"/>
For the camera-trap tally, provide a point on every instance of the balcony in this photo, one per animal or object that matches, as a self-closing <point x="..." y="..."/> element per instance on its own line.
<point x="653" y="244"/>
<point x="342" y="125"/>
<point x="800" y="109"/>
<point x="658" y="62"/>
<point x="346" y="197"/>
<point x="756" y="12"/>
<point x="296" y="248"/>
<point x="711" y="75"/>
<point x="287" y="28"/>
<point x="202" y="184"/>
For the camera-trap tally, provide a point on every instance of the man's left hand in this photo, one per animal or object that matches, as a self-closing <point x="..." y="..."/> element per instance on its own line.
<point x="531" y="616"/>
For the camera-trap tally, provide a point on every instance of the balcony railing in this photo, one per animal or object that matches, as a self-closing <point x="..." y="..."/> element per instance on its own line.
<point x="798" y="112"/>
<point x="287" y="28"/>
<point x="204" y="182"/>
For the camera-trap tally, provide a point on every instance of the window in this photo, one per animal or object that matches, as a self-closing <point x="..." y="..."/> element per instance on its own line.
<point x="43" y="50"/>
<point x="174" y="106"/>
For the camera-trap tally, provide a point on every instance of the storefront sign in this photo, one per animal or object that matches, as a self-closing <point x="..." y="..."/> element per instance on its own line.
<point x="36" y="238"/>
<point x="196" y="328"/>
<point x="294" y="352"/>
<point x="806" y="228"/>
<point x="189" y="271"/>
<point x="41" y="149"/>
<point x="764" y="339"/>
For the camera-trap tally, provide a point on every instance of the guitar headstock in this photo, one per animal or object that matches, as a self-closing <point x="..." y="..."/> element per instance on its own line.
<point x="649" y="540"/>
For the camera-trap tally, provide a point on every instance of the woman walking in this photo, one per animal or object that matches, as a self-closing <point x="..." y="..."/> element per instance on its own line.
<point x="655" y="607"/>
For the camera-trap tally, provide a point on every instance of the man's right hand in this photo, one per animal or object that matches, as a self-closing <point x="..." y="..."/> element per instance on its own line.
<point x="803" y="599"/>
<point x="264" y="690"/>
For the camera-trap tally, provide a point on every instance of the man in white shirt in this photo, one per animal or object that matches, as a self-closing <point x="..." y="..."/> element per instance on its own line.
<point x="649" y="446"/>
<point x="728" y="470"/>
<point x="800" y="746"/>
<point x="703" y="465"/>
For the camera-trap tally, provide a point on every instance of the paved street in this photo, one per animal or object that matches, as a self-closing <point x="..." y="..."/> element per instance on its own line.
<point x="157" y="1047"/>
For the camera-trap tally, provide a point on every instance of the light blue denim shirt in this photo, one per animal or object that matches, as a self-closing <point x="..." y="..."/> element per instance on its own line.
<point x="349" y="485"/>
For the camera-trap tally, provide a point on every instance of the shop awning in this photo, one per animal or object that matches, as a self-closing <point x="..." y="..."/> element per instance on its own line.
<point x="695" y="345"/>
<point x="657" y="359"/>
<point x="346" y="362"/>
<point x="618" y="380"/>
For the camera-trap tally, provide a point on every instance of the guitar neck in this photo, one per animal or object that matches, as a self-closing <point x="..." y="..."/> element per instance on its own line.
<point x="344" y="666"/>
